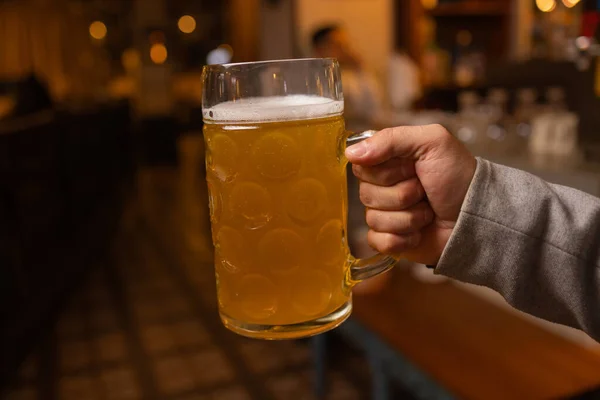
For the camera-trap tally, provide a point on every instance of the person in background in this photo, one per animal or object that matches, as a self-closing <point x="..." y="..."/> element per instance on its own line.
<point x="363" y="100"/>
<point x="404" y="81"/>
<point x="431" y="201"/>
<point x="363" y="97"/>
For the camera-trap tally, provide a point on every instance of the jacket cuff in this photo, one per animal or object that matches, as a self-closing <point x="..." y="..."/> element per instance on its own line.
<point x="459" y="248"/>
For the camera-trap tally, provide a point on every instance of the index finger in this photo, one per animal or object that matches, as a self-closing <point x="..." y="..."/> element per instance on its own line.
<point x="386" y="174"/>
<point x="403" y="141"/>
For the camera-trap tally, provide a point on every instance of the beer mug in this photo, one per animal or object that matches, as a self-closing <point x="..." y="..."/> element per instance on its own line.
<point x="276" y="173"/>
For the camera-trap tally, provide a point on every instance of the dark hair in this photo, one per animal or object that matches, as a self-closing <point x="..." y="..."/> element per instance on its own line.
<point x="321" y="35"/>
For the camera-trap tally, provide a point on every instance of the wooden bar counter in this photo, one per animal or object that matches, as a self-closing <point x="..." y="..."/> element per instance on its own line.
<point x="471" y="347"/>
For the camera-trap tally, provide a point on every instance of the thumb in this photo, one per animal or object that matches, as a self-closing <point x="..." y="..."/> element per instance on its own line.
<point x="403" y="141"/>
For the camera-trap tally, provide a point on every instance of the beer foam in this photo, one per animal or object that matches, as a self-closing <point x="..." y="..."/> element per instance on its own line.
<point x="275" y="108"/>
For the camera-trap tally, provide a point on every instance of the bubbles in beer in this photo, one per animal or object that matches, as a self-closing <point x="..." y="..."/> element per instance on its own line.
<point x="328" y="152"/>
<point x="231" y="249"/>
<point x="311" y="292"/>
<point x="277" y="156"/>
<point x="251" y="203"/>
<point x="283" y="250"/>
<point x="329" y="242"/>
<point x="305" y="200"/>
<point x="281" y="254"/>
<point x="257" y="296"/>
<point x="223" y="157"/>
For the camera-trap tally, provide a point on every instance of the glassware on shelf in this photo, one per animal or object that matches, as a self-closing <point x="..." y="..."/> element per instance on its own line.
<point x="554" y="140"/>
<point x="497" y="133"/>
<point x="554" y="131"/>
<point x="468" y="128"/>
<point x="525" y="111"/>
<point x="473" y="121"/>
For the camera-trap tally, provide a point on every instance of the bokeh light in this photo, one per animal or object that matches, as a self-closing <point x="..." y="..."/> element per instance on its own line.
<point x="429" y="4"/>
<point x="545" y="5"/>
<point x="186" y="24"/>
<point x="583" y="42"/>
<point x="570" y="3"/>
<point x="98" y="30"/>
<point x="218" y="56"/>
<point x="158" y="53"/>
<point x="228" y="48"/>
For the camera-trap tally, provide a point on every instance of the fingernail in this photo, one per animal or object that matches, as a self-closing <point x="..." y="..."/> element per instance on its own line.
<point x="357" y="150"/>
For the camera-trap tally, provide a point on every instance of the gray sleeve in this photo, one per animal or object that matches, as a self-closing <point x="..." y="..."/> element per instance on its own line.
<point x="535" y="243"/>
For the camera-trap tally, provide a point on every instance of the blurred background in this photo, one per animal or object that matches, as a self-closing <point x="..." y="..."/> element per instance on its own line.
<point x="106" y="282"/>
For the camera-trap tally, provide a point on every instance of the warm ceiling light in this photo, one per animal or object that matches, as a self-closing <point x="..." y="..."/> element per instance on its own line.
<point x="545" y="5"/>
<point x="429" y="4"/>
<point x="98" y="30"/>
<point x="187" y="24"/>
<point x="158" y="53"/>
<point x="570" y="3"/>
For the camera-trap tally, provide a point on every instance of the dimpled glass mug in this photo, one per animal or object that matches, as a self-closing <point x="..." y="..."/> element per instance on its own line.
<point x="276" y="173"/>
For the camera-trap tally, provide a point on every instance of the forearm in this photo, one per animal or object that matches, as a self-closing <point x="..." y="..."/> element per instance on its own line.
<point x="535" y="243"/>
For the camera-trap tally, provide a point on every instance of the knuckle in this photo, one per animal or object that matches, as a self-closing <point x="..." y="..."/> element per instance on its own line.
<point x="441" y="134"/>
<point x="401" y="197"/>
<point x="414" y="218"/>
<point x="406" y="170"/>
<point x="439" y="130"/>
<point x="409" y="192"/>
<point x="373" y="239"/>
<point x="371" y="218"/>
<point x="365" y="195"/>
<point x="422" y="217"/>
<point x="388" y="177"/>
<point x="389" y="244"/>
<point x="397" y="132"/>
<point x="389" y="135"/>
<point x="415" y="188"/>
<point x="437" y="127"/>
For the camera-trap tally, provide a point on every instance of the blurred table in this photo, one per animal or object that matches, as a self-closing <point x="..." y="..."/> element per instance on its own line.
<point x="471" y="347"/>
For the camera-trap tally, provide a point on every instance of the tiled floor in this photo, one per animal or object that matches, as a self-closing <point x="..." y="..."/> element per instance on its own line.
<point x="145" y="324"/>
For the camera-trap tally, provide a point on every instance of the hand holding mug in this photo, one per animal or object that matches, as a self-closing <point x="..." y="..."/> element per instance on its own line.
<point x="413" y="183"/>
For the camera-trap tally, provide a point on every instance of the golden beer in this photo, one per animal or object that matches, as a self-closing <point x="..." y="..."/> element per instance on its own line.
<point x="276" y="173"/>
<point x="278" y="204"/>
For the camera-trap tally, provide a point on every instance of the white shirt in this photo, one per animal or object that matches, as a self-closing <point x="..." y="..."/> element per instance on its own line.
<point x="362" y="94"/>
<point x="404" y="85"/>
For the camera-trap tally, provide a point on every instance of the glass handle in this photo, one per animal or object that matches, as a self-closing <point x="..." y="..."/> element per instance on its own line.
<point x="361" y="269"/>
